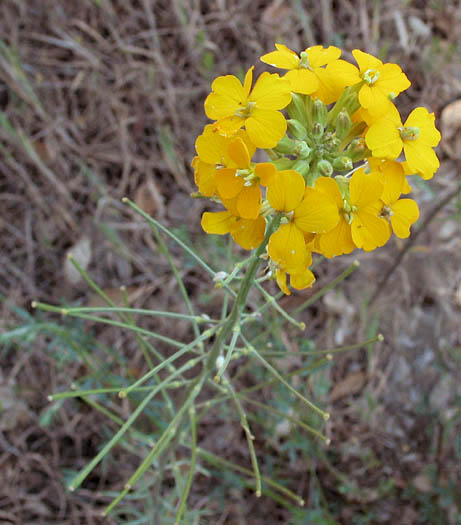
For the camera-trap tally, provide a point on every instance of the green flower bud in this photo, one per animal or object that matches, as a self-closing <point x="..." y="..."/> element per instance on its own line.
<point x="357" y="150"/>
<point x="283" y="164"/>
<point x="319" y="112"/>
<point x="301" y="166"/>
<point x="302" y="151"/>
<point x="343" y="163"/>
<point x="296" y="109"/>
<point x="343" y="124"/>
<point x="286" y="145"/>
<point x="317" y="130"/>
<point x="325" y="168"/>
<point x="296" y="129"/>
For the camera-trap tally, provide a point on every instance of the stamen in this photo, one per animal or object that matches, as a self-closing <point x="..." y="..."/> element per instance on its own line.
<point x="370" y="76"/>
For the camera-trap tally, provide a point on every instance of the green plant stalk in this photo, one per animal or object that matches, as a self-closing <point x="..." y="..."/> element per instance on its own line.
<point x="220" y="462"/>
<point x="250" y="437"/>
<point x="193" y="459"/>
<point x="274" y="372"/>
<point x="86" y="470"/>
<point x="120" y="309"/>
<point x="178" y="241"/>
<point x="230" y="351"/>
<point x="178" y="278"/>
<point x="328" y="287"/>
<point x="240" y="301"/>
<point x="208" y="404"/>
<point x="272" y="302"/>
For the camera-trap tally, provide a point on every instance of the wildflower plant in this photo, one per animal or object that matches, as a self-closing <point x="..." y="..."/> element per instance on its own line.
<point x="333" y="181"/>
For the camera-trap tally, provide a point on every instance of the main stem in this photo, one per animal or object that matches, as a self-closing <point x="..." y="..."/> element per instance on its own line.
<point x="240" y="300"/>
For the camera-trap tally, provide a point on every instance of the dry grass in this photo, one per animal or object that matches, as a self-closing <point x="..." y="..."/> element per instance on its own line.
<point x="100" y="99"/>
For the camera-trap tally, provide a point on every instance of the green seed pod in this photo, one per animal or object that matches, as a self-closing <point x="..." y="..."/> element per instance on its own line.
<point x="296" y="129"/>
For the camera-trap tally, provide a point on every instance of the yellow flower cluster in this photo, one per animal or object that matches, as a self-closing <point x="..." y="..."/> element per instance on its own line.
<point x="333" y="177"/>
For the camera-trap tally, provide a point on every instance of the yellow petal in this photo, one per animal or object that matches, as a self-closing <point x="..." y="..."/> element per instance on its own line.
<point x="228" y="183"/>
<point x="301" y="281"/>
<point x="249" y="202"/>
<point x="219" y="106"/>
<point x="317" y="212"/>
<point x="286" y="190"/>
<point x="337" y="241"/>
<point x="344" y="73"/>
<point x="204" y="176"/>
<point x="371" y="97"/>
<point x="333" y="79"/>
<point x="319" y="56"/>
<point x="366" y="61"/>
<point x="429" y="135"/>
<point x="365" y="188"/>
<point x="249" y="234"/>
<point x="421" y="159"/>
<point x="219" y="223"/>
<point x="271" y="92"/>
<point x="248" y="81"/>
<point x="302" y="81"/>
<point x="211" y="146"/>
<point x="393" y="181"/>
<point x="383" y="139"/>
<point x="392" y="79"/>
<point x="287" y="248"/>
<point x="231" y="87"/>
<point x="283" y="58"/>
<point x="369" y="231"/>
<point x="330" y="187"/>
<point x="228" y="126"/>
<point x="281" y="278"/>
<point x="266" y="127"/>
<point x="238" y="153"/>
<point x="405" y="213"/>
<point x="265" y="171"/>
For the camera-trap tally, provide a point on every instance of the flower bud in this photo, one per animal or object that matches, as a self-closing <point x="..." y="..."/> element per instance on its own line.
<point x="343" y="124"/>
<point x="302" y="151"/>
<point x="302" y="167"/>
<point x="296" y="129"/>
<point x="357" y="150"/>
<point x="343" y="163"/>
<point x="317" y="130"/>
<point x="285" y="145"/>
<point x="283" y="164"/>
<point x="319" y="112"/>
<point x="296" y="109"/>
<point x="325" y="168"/>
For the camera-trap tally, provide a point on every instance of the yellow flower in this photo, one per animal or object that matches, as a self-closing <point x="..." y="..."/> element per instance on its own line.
<point x="401" y="213"/>
<point x="307" y="210"/>
<point x="387" y="136"/>
<point x="234" y="105"/>
<point x="380" y="81"/>
<point x="368" y="229"/>
<point x="304" y="70"/>
<point x="212" y="153"/>
<point x="337" y="241"/>
<point x="247" y="233"/>
<point x="242" y="182"/>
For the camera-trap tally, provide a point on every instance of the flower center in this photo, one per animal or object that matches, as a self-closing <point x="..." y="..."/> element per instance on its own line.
<point x="386" y="212"/>
<point x="409" y="133"/>
<point x="348" y="211"/>
<point x="304" y="62"/>
<point x="248" y="176"/>
<point x="245" y="111"/>
<point x="370" y="76"/>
